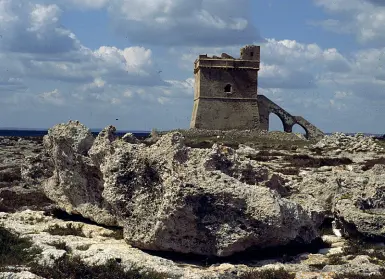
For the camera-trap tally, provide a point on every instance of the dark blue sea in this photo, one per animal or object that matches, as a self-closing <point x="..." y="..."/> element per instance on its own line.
<point x="40" y="133"/>
<point x="138" y="134"/>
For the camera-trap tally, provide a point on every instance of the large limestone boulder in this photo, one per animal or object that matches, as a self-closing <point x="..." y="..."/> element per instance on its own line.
<point x="362" y="209"/>
<point x="170" y="197"/>
<point x="354" y="197"/>
<point x="76" y="184"/>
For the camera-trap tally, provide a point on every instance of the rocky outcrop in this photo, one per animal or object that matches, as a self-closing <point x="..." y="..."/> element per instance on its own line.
<point x="76" y="184"/>
<point x="23" y="167"/>
<point x="214" y="201"/>
<point x="362" y="209"/>
<point x="96" y="245"/>
<point x="339" y="142"/>
<point x="169" y="197"/>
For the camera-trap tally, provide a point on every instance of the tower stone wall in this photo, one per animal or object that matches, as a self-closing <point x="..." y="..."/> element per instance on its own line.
<point x="225" y="96"/>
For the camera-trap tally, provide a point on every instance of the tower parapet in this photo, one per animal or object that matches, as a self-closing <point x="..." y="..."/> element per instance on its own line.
<point x="251" y="52"/>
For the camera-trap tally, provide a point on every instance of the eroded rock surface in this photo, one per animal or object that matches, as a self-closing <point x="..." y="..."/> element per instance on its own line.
<point x="23" y="166"/>
<point x="170" y="197"/>
<point x="213" y="202"/>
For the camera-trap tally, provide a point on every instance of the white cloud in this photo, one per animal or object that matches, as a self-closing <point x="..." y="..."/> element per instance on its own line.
<point x="53" y="97"/>
<point x="11" y="84"/>
<point x="34" y="45"/>
<point x="364" y="18"/>
<point x="177" y="22"/>
<point x="33" y="28"/>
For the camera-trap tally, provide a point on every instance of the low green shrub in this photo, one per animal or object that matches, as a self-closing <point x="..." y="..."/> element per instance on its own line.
<point x="352" y="275"/>
<point x="368" y="164"/>
<point x="74" y="268"/>
<point x="70" y="229"/>
<point x="313" y="162"/>
<point x="15" y="250"/>
<point x="268" y="274"/>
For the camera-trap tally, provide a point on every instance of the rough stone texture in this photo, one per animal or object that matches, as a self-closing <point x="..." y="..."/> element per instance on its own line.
<point x="225" y="96"/>
<point x="19" y="275"/>
<point x="23" y="166"/>
<point x="169" y="197"/>
<point x="98" y="245"/>
<point x="76" y="184"/>
<point x="360" y="265"/>
<point x="362" y="209"/>
<point x="339" y="143"/>
<point x="136" y="178"/>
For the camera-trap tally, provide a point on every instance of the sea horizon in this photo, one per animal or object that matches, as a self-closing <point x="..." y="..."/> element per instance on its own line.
<point x="28" y="132"/>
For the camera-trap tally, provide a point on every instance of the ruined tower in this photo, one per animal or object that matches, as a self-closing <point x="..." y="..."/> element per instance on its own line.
<point x="225" y="95"/>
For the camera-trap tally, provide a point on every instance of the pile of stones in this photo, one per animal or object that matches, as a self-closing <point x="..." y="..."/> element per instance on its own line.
<point x="340" y="142"/>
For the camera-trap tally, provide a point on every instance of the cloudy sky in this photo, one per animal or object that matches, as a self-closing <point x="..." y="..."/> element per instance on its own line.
<point x="101" y="60"/>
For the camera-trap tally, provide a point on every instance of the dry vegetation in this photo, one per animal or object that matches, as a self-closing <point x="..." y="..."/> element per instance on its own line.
<point x="368" y="164"/>
<point x="306" y="161"/>
<point x="16" y="251"/>
<point x="268" y="274"/>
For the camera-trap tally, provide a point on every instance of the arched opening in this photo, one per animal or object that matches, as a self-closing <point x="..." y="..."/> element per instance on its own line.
<point x="275" y="123"/>
<point x="301" y="131"/>
<point x="228" y="89"/>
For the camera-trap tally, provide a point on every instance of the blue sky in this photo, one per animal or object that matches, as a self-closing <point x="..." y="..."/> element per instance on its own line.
<point x="97" y="61"/>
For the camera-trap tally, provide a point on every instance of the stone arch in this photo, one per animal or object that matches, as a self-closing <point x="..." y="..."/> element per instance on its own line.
<point x="266" y="107"/>
<point x="273" y="121"/>
<point x="295" y="125"/>
<point x="286" y="119"/>
<point x="228" y="88"/>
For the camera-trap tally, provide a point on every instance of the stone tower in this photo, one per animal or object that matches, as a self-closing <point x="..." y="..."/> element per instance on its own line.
<point x="225" y="94"/>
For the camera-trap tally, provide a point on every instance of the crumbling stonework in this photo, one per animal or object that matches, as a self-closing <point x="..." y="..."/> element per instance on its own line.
<point x="226" y="97"/>
<point x="266" y="106"/>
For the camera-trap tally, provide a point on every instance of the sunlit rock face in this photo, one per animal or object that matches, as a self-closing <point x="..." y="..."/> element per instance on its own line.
<point x="169" y="197"/>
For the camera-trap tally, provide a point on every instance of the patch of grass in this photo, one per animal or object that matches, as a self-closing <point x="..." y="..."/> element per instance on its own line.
<point x="289" y="171"/>
<point x="352" y="275"/>
<point x="15" y="250"/>
<point x="10" y="175"/>
<point x="359" y="247"/>
<point x="271" y="153"/>
<point x="74" y="267"/>
<point x="261" y="158"/>
<point x="118" y="234"/>
<point x="317" y="266"/>
<point x="346" y="196"/>
<point x="70" y="229"/>
<point x="61" y="245"/>
<point x="84" y="247"/>
<point x="11" y="201"/>
<point x="368" y="164"/>
<point x="298" y="161"/>
<point x="271" y="141"/>
<point x="336" y="259"/>
<point x="268" y="274"/>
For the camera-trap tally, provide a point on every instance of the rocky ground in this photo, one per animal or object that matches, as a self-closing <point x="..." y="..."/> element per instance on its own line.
<point x="191" y="205"/>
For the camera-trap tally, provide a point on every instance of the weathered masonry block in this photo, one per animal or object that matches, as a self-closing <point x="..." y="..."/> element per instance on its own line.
<point x="226" y="97"/>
